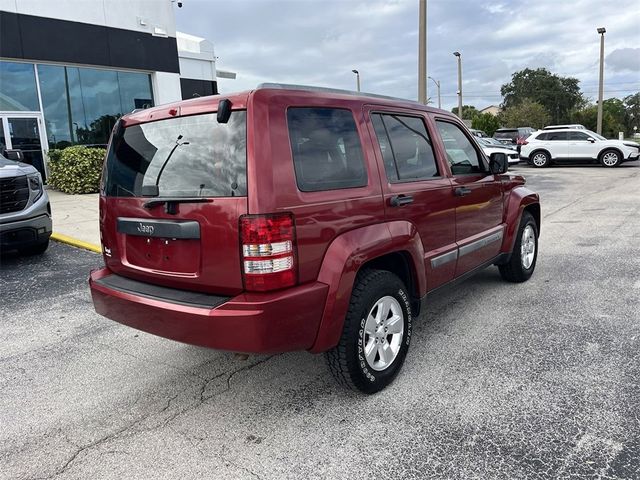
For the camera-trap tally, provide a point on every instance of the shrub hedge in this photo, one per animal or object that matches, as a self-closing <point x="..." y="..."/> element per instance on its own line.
<point x="76" y="169"/>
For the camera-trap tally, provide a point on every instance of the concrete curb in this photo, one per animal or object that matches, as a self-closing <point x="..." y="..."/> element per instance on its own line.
<point x="59" y="237"/>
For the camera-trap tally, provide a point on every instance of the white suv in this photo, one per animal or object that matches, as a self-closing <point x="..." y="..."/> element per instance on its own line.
<point x="565" y="145"/>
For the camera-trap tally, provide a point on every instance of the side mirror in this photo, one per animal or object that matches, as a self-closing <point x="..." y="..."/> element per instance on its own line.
<point x="498" y="163"/>
<point x="15" y="155"/>
<point x="592" y="140"/>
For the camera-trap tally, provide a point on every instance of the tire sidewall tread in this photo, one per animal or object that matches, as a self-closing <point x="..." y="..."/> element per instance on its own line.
<point x="347" y="361"/>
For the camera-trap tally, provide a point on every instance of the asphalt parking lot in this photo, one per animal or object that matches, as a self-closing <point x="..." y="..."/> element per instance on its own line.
<point x="535" y="380"/>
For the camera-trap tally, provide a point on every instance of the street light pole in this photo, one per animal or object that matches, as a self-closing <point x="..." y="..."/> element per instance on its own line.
<point x="601" y="31"/>
<point x="357" y="79"/>
<point x="437" y="85"/>
<point x="457" y="54"/>
<point x="422" y="53"/>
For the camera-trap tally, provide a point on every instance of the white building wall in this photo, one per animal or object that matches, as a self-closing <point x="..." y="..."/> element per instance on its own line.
<point x="166" y="87"/>
<point x="138" y="15"/>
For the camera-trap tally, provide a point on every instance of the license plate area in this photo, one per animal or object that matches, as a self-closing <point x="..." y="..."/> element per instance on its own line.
<point x="161" y="246"/>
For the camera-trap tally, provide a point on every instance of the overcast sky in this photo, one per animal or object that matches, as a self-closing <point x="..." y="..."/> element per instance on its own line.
<point x="319" y="42"/>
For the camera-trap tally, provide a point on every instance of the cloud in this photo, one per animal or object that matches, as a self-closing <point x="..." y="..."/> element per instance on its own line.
<point x="320" y="42"/>
<point x="624" y="59"/>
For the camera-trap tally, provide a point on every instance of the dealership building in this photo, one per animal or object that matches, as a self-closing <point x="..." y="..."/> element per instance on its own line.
<point x="70" y="68"/>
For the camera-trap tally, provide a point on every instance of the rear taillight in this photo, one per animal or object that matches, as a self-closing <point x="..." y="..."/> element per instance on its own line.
<point x="524" y="142"/>
<point x="268" y="255"/>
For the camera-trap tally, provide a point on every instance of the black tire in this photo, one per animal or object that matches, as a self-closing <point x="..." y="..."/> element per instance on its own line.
<point x="347" y="361"/>
<point x="540" y="159"/>
<point x="516" y="270"/>
<point x="610" y="158"/>
<point x="37" y="249"/>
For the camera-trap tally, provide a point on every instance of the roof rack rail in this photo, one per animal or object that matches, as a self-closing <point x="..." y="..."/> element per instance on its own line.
<point x="310" y="88"/>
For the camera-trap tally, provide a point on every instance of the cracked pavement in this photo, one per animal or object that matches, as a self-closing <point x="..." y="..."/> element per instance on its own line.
<point x="537" y="380"/>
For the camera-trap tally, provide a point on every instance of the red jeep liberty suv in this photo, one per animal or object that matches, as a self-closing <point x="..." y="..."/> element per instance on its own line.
<point x="299" y="218"/>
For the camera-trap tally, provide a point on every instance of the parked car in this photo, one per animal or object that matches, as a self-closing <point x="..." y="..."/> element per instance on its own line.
<point x="569" y="145"/>
<point x="25" y="212"/>
<point x="297" y="218"/>
<point x="489" y="148"/>
<point x="478" y="133"/>
<point x="513" y="136"/>
<point x="497" y="143"/>
<point x="574" y="126"/>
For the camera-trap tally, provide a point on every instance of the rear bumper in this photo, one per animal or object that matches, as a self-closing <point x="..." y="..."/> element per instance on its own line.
<point x="271" y="322"/>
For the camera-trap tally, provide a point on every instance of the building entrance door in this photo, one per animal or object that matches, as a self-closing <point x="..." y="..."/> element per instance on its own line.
<point x="24" y="133"/>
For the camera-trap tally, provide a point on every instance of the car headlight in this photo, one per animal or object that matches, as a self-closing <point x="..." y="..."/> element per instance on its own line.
<point x="35" y="185"/>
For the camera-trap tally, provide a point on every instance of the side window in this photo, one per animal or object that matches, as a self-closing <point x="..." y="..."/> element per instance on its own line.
<point x="579" y="136"/>
<point x="558" y="136"/>
<point x="406" y="148"/>
<point x="543" y="136"/>
<point x="463" y="158"/>
<point x="327" y="153"/>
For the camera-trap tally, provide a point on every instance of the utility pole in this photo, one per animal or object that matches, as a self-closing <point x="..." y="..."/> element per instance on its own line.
<point x="601" y="31"/>
<point x="459" y="56"/>
<point x="437" y="82"/>
<point x="357" y="79"/>
<point x="422" y="53"/>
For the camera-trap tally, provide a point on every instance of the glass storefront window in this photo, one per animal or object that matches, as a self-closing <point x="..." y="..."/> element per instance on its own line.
<point x="81" y="105"/>
<point x="135" y="91"/>
<point x="55" y="103"/>
<point x="18" y="91"/>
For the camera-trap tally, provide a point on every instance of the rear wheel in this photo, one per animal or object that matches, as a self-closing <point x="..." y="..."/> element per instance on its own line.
<point x="525" y="252"/>
<point x="376" y="333"/>
<point x="610" y="158"/>
<point x="540" y="159"/>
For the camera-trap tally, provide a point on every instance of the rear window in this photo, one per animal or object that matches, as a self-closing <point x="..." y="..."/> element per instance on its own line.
<point x="191" y="156"/>
<point x="327" y="154"/>
<point x="506" y="134"/>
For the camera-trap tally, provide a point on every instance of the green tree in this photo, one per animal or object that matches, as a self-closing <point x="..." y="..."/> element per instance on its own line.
<point x="558" y="95"/>
<point x="613" y="117"/>
<point x="486" y="122"/>
<point x="468" y="112"/>
<point x="527" y="113"/>
<point x="632" y="112"/>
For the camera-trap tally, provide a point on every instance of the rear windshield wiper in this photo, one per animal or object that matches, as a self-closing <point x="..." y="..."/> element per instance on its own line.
<point x="172" y="202"/>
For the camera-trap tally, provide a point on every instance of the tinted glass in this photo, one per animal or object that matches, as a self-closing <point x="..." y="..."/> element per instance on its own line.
<point x="542" y="136"/>
<point x="53" y="90"/>
<point x="557" y="136"/>
<point x="186" y="157"/>
<point x="406" y="148"/>
<point x="506" y="134"/>
<point x="327" y="154"/>
<point x="82" y="105"/>
<point x="461" y="155"/>
<point x="18" y="87"/>
<point x="578" y="136"/>
<point x="135" y="91"/>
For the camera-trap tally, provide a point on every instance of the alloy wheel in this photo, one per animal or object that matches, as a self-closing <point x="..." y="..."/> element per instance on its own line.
<point x="528" y="247"/>
<point x="383" y="332"/>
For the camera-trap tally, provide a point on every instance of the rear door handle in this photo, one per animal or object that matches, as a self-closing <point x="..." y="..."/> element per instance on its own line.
<point x="400" y="200"/>
<point x="462" y="191"/>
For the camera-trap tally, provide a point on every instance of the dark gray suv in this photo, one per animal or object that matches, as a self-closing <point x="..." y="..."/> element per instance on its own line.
<point x="25" y="212"/>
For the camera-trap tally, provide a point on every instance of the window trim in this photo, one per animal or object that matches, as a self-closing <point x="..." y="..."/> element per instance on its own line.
<point x="474" y="144"/>
<point x="377" y="145"/>
<point x="358" y="133"/>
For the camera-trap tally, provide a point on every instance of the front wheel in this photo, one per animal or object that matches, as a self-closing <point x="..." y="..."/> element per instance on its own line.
<point x="522" y="263"/>
<point x="540" y="159"/>
<point x="376" y="333"/>
<point x="610" y="158"/>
